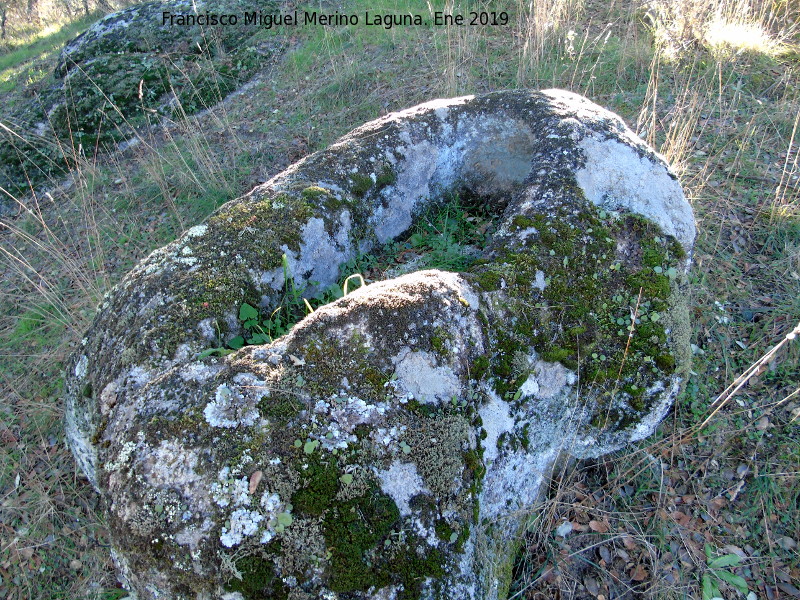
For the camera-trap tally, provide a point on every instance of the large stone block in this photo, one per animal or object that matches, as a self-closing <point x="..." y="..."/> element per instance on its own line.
<point x="388" y="446"/>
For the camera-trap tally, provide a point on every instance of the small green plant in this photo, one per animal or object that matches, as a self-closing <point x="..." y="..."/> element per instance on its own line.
<point x="261" y="328"/>
<point x="447" y="235"/>
<point x="717" y="570"/>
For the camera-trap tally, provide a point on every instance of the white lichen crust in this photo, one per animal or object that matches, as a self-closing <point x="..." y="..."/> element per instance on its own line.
<point x="387" y="446"/>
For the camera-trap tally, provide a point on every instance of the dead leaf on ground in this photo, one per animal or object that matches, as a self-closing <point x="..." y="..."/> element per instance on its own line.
<point x="26" y="553"/>
<point x="628" y="542"/>
<point x="591" y="585"/>
<point x="681" y="518"/>
<point x="789" y="589"/>
<point x="297" y="362"/>
<point x="598" y="526"/>
<point x="718" y="502"/>
<point x="255" y="479"/>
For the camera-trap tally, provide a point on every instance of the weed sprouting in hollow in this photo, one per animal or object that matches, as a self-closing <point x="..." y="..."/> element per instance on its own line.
<point x="448" y="236"/>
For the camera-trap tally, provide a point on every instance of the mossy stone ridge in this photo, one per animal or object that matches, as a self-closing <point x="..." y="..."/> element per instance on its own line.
<point x="125" y="71"/>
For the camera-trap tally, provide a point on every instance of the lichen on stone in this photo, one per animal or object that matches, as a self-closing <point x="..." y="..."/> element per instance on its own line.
<point x="388" y="444"/>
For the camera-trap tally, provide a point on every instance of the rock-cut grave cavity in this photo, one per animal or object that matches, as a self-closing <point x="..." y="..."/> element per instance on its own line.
<point x="389" y="446"/>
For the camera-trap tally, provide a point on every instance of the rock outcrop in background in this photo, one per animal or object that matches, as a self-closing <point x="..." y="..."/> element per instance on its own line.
<point x="127" y="70"/>
<point x="389" y="444"/>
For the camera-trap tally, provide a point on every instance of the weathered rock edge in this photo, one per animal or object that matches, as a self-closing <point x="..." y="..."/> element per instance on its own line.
<point x="388" y="445"/>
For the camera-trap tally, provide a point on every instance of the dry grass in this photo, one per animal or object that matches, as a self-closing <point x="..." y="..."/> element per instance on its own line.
<point x="714" y="89"/>
<point x="724" y="28"/>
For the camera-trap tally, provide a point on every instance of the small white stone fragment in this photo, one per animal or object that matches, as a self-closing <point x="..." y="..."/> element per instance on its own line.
<point x="564" y="529"/>
<point x="530" y="387"/>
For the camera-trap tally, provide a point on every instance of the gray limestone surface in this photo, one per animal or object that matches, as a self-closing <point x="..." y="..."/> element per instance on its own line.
<point x="389" y="445"/>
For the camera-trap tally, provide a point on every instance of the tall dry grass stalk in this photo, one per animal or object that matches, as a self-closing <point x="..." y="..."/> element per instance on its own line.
<point x="724" y="27"/>
<point x="786" y="203"/>
<point x="674" y="130"/>
<point x="459" y="53"/>
<point x="57" y="269"/>
<point x="691" y="32"/>
<point x="54" y="251"/>
<point x="541" y="23"/>
<point x="68" y="242"/>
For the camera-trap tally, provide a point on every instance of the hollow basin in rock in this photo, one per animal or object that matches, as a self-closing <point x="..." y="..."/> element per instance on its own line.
<point x="390" y="445"/>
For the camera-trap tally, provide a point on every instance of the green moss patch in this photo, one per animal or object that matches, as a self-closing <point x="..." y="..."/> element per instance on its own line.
<point x="355" y="531"/>
<point x="258" y="580"/>
<point x="112" y="83"/>
<point x="607" y="283"/>
<point x="367" y="544"/>
<point x="361" y="184"/>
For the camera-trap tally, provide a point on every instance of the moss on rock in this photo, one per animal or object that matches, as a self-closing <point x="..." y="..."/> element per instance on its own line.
<point x="588" y="292"/>
<point x="125" y="71"/>
<point x="387" y="445"/>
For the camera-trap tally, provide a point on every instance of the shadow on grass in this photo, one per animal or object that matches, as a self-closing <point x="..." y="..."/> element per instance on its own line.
<point x="39" y="48"/>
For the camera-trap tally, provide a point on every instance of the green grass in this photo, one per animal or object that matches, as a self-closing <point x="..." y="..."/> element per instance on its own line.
<point x="22" y="65"/>
<point x="447" y="236"/>
<point x="727" y="122"/>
